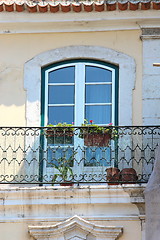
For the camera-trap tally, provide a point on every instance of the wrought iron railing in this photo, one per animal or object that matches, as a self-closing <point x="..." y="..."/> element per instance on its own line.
<point x="36" y="155"/>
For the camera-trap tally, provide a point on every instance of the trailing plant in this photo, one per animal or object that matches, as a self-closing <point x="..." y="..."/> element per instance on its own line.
<point x="60" y="128"/>
<point x="61" y="133"/>
<point x="91" y="128"/>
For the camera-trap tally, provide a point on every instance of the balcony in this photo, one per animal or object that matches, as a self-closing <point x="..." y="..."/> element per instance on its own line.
<point x="47" y="156"/>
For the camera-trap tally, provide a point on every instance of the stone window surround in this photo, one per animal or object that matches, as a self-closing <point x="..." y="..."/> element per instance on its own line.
<point x="32" y="77"/>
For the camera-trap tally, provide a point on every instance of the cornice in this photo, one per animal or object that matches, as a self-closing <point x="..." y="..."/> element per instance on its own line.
<point x="14" y="23"/>
<point x="29" y="204"/>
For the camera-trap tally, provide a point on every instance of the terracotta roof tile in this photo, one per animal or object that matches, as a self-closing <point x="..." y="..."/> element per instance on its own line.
<point x="87" y="6"/>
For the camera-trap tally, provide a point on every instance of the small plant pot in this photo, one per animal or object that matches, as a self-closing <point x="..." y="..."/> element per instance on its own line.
<point x="66" y="183"/>
<point x="113" y="176"/>
<point x="128" y="175"/>
<point x="97" y="139"/>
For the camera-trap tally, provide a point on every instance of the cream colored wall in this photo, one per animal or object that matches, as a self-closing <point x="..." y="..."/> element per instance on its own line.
<point x="19" y="230"/>
<point x="16" y="49"/>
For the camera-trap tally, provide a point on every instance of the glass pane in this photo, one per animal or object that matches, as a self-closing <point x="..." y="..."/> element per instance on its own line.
<point x="98" y="93"/>
<point x="97" y="74"/>
<point x="60" y="114"/>
<point x="97" y="156"/>
<point x="99" y="114"/>
<point x="61" y="94"/>
<point x="62" y="75"/>
<point x="56" y="154"/>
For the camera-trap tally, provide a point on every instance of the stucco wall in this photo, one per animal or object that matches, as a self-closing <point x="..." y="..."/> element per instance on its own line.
<point x="17" y="49"/>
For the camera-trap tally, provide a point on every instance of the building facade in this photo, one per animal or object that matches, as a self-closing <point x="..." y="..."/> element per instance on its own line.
<point x="68" y="61"/>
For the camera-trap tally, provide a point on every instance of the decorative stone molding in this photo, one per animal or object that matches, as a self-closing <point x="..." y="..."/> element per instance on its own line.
<point x="150" y="33"/>
<point x="47" y="203"/>
<point x="137" y="197"/>
<point x="32" y="77"/>
<point x="75" y="228"/>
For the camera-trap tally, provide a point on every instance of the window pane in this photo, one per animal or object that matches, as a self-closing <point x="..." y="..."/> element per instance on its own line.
<point x="60" y="114"/>
<point x="97" y="74"/>
<point x="98" y="93"/>
<point x="63" y="75"/>
<point x="97" y="156"/>
<point x="60" y="94"/>
<point x="55" y="154"/>
<point x="99" y="114"/>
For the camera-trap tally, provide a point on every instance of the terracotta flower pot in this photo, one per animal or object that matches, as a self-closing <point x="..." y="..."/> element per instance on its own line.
<point x="128" y="175"/>
<point x="67" y="183"/>
<point x="113" y="175"/>
<point x="59" y="137"/>
<point x="97" y="139"/>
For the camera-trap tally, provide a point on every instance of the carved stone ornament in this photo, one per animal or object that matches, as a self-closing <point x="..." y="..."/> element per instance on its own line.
<point x="75" y="228"/>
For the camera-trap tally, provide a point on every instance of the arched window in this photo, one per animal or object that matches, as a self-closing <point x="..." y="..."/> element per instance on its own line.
<point x="76" y="90"/>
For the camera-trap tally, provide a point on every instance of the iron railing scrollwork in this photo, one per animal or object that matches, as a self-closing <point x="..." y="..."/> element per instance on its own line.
<point x="42" y="155"/>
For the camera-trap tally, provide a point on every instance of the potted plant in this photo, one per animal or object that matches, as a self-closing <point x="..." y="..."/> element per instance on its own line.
<point x="95" y="135"/>
<point x="65" y="172"/>
<point x="113" y="175"/>
<point x="128" y="175"/>
<point x="61" y="133"/>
